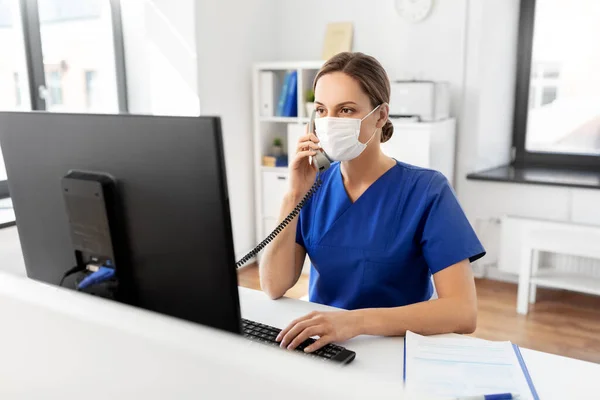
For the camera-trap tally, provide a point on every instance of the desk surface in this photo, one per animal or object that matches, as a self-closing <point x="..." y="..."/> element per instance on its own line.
<point x="52" y="340"/>
<point x="554" y="377"/>
<point x="61" y="344"/>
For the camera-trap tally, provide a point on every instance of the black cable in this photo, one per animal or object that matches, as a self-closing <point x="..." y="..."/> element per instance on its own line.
<point x="282" y="225"/>
<point x="70" y="272"/>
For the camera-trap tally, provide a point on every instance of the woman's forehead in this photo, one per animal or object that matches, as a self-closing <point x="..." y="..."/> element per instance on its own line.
<point x="336" y="88"/>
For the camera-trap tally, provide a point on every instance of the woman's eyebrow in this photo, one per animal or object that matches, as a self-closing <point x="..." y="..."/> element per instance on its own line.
<point x="341" y="104"/>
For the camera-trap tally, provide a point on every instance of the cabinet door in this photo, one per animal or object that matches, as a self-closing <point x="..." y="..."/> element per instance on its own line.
<point x="410" y="146"/>
<point x="268" y="225"/>
<point x="275" y="185"/>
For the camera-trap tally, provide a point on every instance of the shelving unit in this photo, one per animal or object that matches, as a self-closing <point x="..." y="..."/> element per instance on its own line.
<point x="271" y="182"/>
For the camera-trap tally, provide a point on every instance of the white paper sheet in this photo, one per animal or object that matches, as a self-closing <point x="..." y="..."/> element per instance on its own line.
<point x="448" y="367"/>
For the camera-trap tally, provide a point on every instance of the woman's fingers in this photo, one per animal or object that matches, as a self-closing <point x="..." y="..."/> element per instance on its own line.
<point x="309" y="137"/>
<point x="321" y="342"/>
<point x="305" y="334"/>
<point x="307" y="145"/>
<point x="293" y="324"/>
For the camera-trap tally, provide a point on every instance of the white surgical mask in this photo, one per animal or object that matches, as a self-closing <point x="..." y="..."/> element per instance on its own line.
<point x="339" y="136"/>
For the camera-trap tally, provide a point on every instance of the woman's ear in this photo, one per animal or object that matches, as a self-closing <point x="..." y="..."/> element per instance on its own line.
<point x="383" y="113"/>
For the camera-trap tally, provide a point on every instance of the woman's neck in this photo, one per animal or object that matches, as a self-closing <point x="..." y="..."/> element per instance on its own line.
<point x="366" y="168"/>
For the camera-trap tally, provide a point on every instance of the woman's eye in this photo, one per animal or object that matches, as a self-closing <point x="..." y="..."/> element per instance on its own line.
<point x="320" y="111"/>
<point x="346" y="110"/>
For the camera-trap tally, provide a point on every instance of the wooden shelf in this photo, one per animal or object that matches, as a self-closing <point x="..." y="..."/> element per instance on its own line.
<point x="568" y="281"/>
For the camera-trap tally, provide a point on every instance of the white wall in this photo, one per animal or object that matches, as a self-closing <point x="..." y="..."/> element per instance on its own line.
<point x="160" y="56"/>
<point x="231" y="36"/>
<point x="488" y="92"/>
<point x="432" y="49"/>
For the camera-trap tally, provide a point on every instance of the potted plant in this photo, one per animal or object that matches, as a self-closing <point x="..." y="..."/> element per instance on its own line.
<point x="310" y="101"/>
<point x="277" y="148"/>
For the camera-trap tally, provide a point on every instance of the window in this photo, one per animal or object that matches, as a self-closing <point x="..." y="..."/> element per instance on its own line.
<point x="60" y="55"/>
<point x="6" y="13"/>
<point x="13" y="65"/>
<point x="90" y="90"/>
<point x="14" y="89"/>
<point x="18" y="100"/>
<point x="65" y="10"/>
<point x="544" y="84"/>
<point x="548" y="95"/>
<point x="54" y="84"/>
<point x="60" y="41"/>
<point x="77" y="36"/>
<point x="557" y="104"/>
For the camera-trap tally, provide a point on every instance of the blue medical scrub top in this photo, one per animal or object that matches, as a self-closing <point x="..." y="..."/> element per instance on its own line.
<point x="381" y="250"/>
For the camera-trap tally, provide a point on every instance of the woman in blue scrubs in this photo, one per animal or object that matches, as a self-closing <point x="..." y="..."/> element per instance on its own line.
<point x="376" y="230"/>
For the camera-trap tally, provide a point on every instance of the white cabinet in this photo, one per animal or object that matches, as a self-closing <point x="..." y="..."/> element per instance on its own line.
<point x="424" y="144"/>
<point x="274" y="187"/>
<point x="268" y="224"/>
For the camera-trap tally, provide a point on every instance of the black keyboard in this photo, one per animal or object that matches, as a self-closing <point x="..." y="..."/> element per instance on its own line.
<point x="266" y="334"/>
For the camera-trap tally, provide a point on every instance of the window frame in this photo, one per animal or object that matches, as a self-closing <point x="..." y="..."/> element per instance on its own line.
<point x="521" y="156"/>
<point x="35" y="61"/>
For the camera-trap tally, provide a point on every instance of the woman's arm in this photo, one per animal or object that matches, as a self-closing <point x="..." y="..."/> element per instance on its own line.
<point x="454" y="311"/>
<point x="281" y="265"/>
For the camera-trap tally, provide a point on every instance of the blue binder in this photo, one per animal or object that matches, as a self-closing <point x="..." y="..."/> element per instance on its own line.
<point x="290" y="108"/>
<point x="283" y="95"/>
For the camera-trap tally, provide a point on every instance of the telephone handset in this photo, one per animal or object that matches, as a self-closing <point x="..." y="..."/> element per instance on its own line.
<point x="321" y="159"/>
<point x="322" y="163"/>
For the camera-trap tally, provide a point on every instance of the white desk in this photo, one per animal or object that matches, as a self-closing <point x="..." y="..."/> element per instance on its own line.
<point x="60" y="344"/>
<point x="554" y="377"/>
<point x="57" y="343"/>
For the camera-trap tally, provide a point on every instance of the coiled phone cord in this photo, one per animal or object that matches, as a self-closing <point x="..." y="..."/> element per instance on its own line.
<point x="283" y="223"/>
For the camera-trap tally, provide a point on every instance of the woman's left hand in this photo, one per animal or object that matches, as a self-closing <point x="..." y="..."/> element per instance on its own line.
<point x="336" y="326"/>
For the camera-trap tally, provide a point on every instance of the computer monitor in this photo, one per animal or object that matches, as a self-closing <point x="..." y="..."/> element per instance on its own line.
<point x="171" y="181"/>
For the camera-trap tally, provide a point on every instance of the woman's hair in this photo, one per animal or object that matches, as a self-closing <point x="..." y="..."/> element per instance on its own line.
<point x="369" y="74"/>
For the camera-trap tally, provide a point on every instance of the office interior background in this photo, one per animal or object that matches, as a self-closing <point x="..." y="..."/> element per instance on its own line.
<point x="524" y="100"/>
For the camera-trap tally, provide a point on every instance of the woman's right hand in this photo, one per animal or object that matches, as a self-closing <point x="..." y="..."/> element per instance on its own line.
<point x="302" y="173"/>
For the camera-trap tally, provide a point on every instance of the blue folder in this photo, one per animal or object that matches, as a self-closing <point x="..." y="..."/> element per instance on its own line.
<point x="290" y="108"/>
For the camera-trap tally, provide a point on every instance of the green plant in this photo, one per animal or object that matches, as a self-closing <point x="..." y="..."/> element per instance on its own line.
<point x="310" y="96"/>
<point x="277" y="142"/>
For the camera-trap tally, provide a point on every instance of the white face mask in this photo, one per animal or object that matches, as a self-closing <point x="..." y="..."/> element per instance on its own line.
<point x="339" y="136"/>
